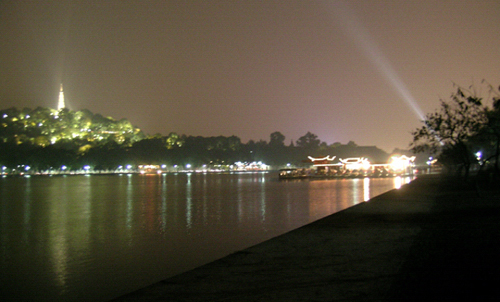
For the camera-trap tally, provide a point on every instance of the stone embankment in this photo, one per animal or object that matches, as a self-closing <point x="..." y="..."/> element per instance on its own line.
<point x="432" y="239"/>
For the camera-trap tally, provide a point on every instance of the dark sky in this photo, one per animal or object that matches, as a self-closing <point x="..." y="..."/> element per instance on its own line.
<point x="344" y="70"/>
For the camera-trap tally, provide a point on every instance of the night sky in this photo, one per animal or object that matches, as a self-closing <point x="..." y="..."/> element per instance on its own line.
<point x="344" y="70"/>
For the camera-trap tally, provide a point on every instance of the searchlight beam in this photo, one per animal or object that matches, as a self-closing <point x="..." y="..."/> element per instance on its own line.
<point x="347" y="20"/>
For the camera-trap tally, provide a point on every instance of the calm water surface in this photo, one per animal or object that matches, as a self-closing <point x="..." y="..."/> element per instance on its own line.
<point x="74" y="238"/>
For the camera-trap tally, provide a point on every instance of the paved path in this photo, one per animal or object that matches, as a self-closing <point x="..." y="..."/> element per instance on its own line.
<point x="430" y="239"/>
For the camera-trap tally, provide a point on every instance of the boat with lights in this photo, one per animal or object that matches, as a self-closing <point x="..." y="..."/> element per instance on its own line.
<point x="150" y="169"/>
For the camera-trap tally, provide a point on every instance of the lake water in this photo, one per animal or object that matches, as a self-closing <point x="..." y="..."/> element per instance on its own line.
<point x="75" y="238"/>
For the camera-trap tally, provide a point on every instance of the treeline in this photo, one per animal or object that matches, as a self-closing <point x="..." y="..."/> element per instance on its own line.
<point x="213" y="151"/>
<point x="45" y="139"/>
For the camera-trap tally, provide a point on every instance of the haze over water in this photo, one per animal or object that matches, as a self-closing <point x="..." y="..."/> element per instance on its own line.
<point x="75" y="238"/>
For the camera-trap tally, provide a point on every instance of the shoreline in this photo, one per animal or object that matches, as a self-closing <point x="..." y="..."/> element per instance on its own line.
<point x="408" y="243"/>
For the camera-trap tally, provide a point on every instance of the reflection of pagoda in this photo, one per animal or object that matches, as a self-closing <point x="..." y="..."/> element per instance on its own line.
<point x="60" y="104"/>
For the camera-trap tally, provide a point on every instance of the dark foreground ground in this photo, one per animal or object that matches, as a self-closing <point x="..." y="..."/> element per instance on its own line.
<point x="432" y="239"/>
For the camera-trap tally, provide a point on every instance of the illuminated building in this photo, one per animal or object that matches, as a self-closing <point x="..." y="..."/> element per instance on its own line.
<point x="324" y="165"/>
<point x="402" y="164"/>
<point x="356" y="163"/>
<point x="351" y="167"/>
<point x="60" y="104"/>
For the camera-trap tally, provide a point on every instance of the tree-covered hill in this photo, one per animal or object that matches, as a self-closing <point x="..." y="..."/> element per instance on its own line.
<point x="45" y="126"/>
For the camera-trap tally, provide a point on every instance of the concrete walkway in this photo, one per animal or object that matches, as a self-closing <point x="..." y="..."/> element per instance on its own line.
<point x="431" y="239"/>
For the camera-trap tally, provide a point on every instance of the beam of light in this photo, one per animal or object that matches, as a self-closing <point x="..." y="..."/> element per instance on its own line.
<point x="349" y="23"/>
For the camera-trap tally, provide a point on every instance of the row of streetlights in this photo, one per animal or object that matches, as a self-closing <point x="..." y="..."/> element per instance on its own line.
<point x="26" y="169"/>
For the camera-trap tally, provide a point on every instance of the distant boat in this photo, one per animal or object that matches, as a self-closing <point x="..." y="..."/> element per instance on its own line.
<point x="292" y="173"/>
<point x="150" y="169"/>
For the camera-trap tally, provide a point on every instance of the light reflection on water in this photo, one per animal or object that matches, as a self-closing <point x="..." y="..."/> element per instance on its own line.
<point x="97" y="237"/>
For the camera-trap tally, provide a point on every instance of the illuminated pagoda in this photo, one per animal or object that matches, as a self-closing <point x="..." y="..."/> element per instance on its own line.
<point x="60" y="104"/>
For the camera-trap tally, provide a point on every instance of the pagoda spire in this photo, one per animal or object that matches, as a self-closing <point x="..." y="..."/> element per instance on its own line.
<point x="60" y="104"/>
